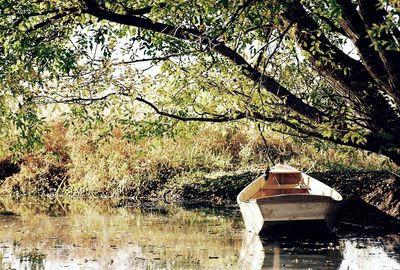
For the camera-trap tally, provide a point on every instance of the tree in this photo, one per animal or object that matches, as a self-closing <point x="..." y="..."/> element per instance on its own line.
<point x="312" y="68"/>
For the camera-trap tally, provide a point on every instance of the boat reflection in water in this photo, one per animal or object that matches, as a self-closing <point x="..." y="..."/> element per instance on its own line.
<point x="287" y="253"/>
<point x="284" y="253"/>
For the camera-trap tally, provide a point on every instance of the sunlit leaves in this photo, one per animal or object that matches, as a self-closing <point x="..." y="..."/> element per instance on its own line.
<point x="21" y="121"/>
<point x="355" y="136"/>
<point x="202" y="87"/>
<point x="206" y="59"/>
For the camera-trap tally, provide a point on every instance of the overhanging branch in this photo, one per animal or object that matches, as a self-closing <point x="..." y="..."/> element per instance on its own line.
<point x="84" y="100"/>
<point x="194" y="35"/>
<point x="218" y="119"/>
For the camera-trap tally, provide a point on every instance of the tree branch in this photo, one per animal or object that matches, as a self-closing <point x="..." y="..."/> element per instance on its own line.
<point x="90" y="100"/>
<point x="346" y="75"/>
<point x="218" y="119"/>
<point x="33" y="14"/>
<point x="357" y="32"/>
<point x="194" y="35"/>
<point x="332" y="25"/>
<point x="311" y="39"/>
<point x="160" y="58"/>
<point x="52" y="19"/>
<point x="145" y="23"/>
<point x="237" y="13"/>
<point x="372" y="16"/>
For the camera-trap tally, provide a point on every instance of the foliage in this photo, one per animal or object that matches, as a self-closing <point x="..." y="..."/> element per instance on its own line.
<point x="77" y="164"/>
<point x="311" y="68"/>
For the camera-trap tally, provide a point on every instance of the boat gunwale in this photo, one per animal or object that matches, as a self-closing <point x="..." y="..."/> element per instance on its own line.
<point x="264" y="176"/>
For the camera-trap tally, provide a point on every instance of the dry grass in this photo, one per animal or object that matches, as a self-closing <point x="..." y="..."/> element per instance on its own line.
<point x="78" y="165"/>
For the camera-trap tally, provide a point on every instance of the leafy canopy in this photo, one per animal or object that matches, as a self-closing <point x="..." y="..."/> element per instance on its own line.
<point x="311" y="68"/>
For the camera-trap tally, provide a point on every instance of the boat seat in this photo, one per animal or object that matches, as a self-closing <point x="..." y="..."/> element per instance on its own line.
<point x="285" y="186"/>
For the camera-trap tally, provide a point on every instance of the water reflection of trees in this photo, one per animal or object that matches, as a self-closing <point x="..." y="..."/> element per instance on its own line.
<point x="107" y="234"/>
<point x="121" y="234"/>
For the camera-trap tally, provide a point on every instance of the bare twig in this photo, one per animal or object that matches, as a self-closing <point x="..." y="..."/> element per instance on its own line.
<point x="265" y="144"/>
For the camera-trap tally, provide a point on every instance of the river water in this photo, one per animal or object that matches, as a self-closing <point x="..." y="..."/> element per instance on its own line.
<point x="105" y="234"/>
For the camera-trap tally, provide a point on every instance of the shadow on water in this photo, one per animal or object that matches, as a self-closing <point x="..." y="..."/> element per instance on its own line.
<point x="161" y="207"/>
<point x="225" y="210"/>
<point x="360" y="219"/>
<point x="218" y="189"/>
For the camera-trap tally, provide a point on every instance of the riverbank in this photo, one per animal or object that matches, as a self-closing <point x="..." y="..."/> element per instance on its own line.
<point x="210" y="166"/>
<point x="370" y="207"/>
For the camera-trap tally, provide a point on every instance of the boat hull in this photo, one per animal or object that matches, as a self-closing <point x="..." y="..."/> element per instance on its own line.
<point x="291" y="208"/>
<point x="294" y="207"/>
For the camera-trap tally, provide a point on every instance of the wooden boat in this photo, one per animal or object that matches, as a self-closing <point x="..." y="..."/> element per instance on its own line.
<point x="286" y="195"/>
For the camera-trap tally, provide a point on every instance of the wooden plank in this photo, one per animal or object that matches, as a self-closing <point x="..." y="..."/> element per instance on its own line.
<point x="284" y="186"/>
<point x="293" y="198"/>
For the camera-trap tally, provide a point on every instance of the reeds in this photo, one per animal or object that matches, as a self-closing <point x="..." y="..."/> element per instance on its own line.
<point x="81" y="165"/>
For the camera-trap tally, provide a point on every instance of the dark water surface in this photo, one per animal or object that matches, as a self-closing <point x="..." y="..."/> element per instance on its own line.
<point x="104" y="234"/>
